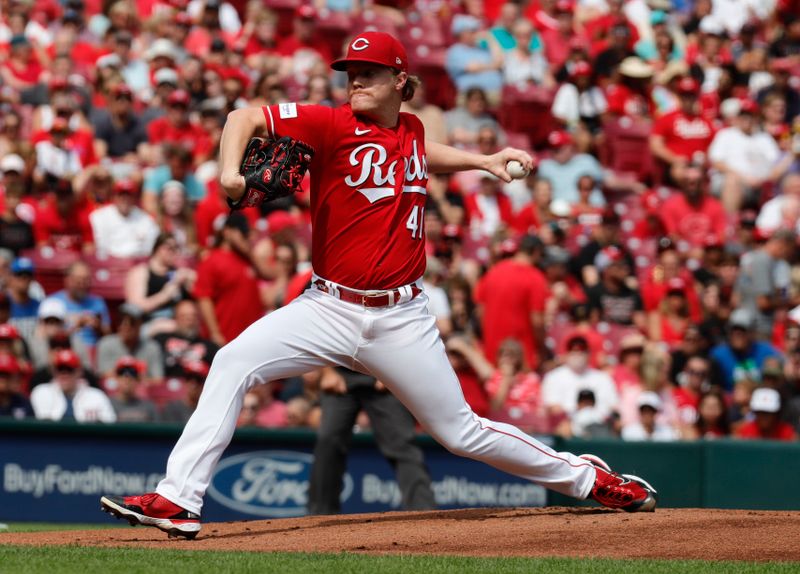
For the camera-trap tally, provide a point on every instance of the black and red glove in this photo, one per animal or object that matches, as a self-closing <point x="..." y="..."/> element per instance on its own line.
<point x="272" y="169"/>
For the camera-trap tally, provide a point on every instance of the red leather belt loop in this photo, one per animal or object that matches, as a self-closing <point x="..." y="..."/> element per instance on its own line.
<point x="377" y="299"/>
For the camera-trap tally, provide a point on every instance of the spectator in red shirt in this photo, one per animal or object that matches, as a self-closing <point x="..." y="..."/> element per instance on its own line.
<point x="177" y="128"/>
<point x="62" y="152"/>
<point x="515" y="393"/>
<point x="765" y="404"/>
<point x="22" y="69"/>
<point x="226" y="287"/>
<point x="692" y="215"/>
<point x="63" y="221"/>
<point x="671" y="319"/>
<point x="693" y="381"/>
<point x="304" y="46"/>
<point x="632" y="96"/>
<point x="684" y="135"/>
<point x="512" y="297"/>
<point x="556" y="38"/>
<point x="472" y="370"/>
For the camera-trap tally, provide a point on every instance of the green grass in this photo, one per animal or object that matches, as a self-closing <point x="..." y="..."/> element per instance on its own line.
<point x="73" y="559"/>
<point x="51" y="526"/>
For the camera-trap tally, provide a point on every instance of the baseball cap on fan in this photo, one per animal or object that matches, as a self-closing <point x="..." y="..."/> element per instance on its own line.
<point x="374" y="48"/>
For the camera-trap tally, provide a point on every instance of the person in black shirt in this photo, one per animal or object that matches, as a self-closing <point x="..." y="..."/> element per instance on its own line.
<point x="612" y="300"/>
<point x="185" y="343"/>
<point x="118" y="128"/>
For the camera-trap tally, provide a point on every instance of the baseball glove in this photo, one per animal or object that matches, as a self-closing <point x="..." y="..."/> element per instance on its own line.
<point x="272" y="169"/>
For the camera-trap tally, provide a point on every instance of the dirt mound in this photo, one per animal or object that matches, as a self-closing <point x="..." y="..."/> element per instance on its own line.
<point x="581" y="532"/>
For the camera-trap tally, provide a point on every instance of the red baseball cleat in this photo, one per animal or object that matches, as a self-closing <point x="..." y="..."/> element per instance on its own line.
<point x="625" y="491"/>
<point x="153" y="510"/>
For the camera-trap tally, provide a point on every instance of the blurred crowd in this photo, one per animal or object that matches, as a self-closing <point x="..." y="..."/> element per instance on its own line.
<point x="641" y="282"/>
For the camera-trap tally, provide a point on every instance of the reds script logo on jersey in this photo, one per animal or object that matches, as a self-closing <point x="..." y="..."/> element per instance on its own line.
<point x="370" y="160"/>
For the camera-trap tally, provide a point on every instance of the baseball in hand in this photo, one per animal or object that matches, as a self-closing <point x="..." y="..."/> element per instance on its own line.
<point x="516" y="170"/>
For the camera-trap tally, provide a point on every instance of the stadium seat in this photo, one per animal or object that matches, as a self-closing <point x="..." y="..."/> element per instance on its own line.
<point x="526" y="109"/>
<point x="50" y="265"/>
<point x="626" y="149"/>
<point x="428" y="63"/>
<point x="334" y="28"/>
<point x="166" y="391"/>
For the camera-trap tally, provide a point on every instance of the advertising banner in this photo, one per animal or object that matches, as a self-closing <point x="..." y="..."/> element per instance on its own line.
<point x="60" y="479"/>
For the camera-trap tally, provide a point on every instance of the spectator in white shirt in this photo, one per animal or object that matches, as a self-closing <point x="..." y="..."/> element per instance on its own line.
<point x="773" y="214"/>
<point x="520" y="64"/>
<point x="121" y="229"/>
<point x="744" y="158"/>
<point x="647" y="428"/>
<point x="68" y="397"/>
<point x="562" y="385"/>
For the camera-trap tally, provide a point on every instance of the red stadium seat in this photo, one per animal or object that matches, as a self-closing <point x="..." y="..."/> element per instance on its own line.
<point x="108" y="276"/>
<point x="526" y="110"/>
<point x="335" y="28"/>
<point x="166" y="391"/>
<point x="626" y="149"/>
<point x="50" y="266"/>
<point x="428" y="63"/>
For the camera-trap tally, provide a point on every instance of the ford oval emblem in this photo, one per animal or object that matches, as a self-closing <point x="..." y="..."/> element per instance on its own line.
<point x="272" y="483"/>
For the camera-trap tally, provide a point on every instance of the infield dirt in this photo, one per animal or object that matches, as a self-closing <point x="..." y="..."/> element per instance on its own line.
<point x="530" y="532"/>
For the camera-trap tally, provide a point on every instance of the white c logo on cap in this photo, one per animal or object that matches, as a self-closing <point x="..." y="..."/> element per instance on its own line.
<point x="360" y="44"/>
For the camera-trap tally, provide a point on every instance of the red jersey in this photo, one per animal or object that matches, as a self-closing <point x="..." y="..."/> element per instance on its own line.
<point x="524" y="394"/>
<point x="684" y="135"/>
<point x="230" y="282"/>
<point x="694" y="223"/>
<point x="63" y="232"/>
<point x="782" y="431"/>
<point x="510" y="292"/>
<point x="687" y="404"/>
<point x="367" y="193"/>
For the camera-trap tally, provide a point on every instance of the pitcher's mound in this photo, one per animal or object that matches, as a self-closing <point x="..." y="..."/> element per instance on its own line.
<point x="580" y="532"/>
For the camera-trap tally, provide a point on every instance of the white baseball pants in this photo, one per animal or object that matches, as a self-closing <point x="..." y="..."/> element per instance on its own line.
<point x="400" y="346"/>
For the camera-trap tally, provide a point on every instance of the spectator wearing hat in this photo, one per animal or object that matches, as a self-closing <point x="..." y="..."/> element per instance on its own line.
<point x="693" y="380"/>
<point x="13" y="404"/>
<point x="128" y="340"/>
<point x="119" y="132"/>
<point x="177" y="128"/>
<point x="62" y="103"/>
<point x="62" y="221"/>
<point x="668" y="323"/>
<point x="226" y="286"/>
<point x="122" y="229"/>
<point x="612" y="300"/>
<point x="561" y="386"/>
<point x="51" y="328"/>
<point x="632" y="96"/>
<point x="22" y="69"/>
<point x="781" y="69"/>
<point x="176" y="168"/>
<point x="579" y="104"/>
<point x="165" y="81"/>
<point x="135" y="71"/>
<point x="740" y="356"/>
<point x="60" y="152"/>
<point x="682" y="136"/>
<point x="648" y="428"/>
<point x="765" y="404"/>
<point x="471" y="64"/>
<point x="24" y="300"/>
<point x="512" y="296"/>
<point x="744" y="158"/>
<point x="87" y="314"/>
<point x="763" y="281"/>
<point x="667" y="268"/>
<point x="691" y="215"/>
<point x="68" y="397"/>
<point x="304" y="47"/>
<point x="128" y="405"/>
<point x="193" y="376"/>
<point x="185" y="342"/>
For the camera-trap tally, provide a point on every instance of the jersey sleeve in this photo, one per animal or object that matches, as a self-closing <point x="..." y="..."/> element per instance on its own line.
<point x="308" y="123"/>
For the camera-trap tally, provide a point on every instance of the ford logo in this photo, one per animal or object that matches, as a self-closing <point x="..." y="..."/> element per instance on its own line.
<point x="271" y="484"/>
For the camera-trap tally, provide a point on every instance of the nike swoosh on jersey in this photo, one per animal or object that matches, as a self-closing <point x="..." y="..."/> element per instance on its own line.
<point x="360" y="132"/>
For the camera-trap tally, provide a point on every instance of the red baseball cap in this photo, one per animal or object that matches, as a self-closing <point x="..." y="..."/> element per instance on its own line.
<point x="676" y="284"/>
<point x="179" y="97"/>
<point x="688" y="85"/>
<point x="452" y="231"/>
<point x="375" y="48"/>
<point x="748" y="106"/>
<point x="559" y="138"/>
<point x="8" y="332"/>
<point x="8" y="364"/>
<point x="129" y="362"/>
<point x="581" y="68"/>
<point x="306" y="11"/>
<point x="67" y="358"/>
<point x="125" y="186"/>
<point x="195" y="368"/>
<point x="565" y="6"/>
